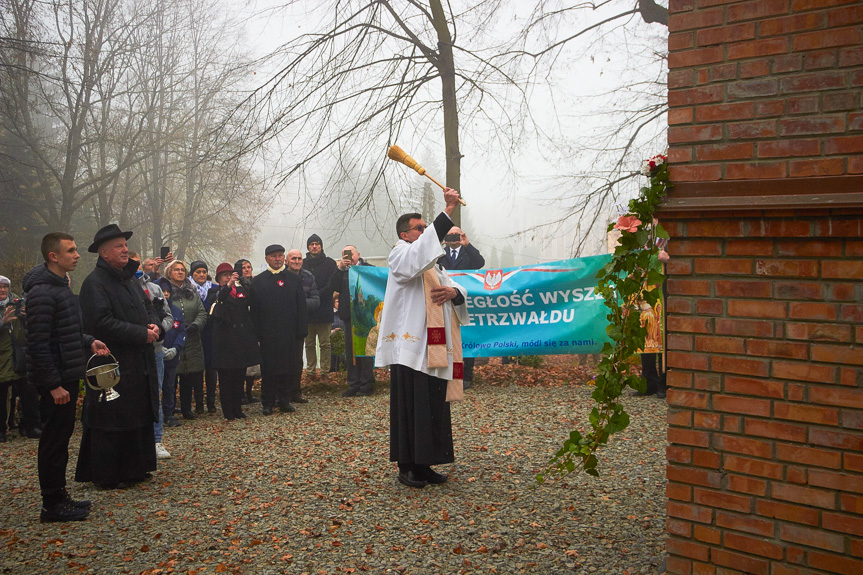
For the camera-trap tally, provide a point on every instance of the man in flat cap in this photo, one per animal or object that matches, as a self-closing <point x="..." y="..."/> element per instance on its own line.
<point x="117" y="446"/>
<point x="278" y="309"/>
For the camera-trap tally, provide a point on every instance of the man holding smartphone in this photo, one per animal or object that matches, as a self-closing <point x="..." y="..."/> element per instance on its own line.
<point x="361" y="371"/>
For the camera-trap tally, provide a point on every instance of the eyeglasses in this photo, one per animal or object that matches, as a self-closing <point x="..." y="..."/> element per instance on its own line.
<point x="419" y="227"/>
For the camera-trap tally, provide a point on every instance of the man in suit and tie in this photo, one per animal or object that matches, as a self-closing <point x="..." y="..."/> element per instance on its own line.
<point x="459" y="254"/>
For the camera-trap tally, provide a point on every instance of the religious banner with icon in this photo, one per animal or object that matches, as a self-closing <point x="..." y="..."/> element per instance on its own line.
<point x="542" y="309"/>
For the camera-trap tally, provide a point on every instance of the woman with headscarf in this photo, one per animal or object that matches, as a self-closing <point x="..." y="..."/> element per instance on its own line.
<point x="190" y="368"/>
<point x="235" y="344"/>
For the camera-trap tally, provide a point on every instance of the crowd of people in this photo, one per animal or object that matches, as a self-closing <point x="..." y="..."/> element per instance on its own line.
<point x="139" y="332"/>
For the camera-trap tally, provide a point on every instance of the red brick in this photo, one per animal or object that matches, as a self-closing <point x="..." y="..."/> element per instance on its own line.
<point x="707" y="534"/>
<point x="806" y="413"/>
<point x="796" y="392"/>
<point x="757" y="10"/>
<point x="706" y="419"/>
<point x="784" y="349"/>
<point x="853" y="248"/>
<point x="819" y="59"/>
<point x="787" y="63"/>
<point x="719" y="152"/>
<point x="805" y="496"/>
<point x="835" y="563"/>
<point x="745" y="523"/>
<point x="687" y="549"/>
<point x="680" y="79"/>
<point x="804" y="372"/>
<point x="719" y="344"/>
<point x="747" y="130"/>
<point x="811" y="125"/>
<point x="756" y="387"/>
<point x="798" y="290"/>
<point x="848" y="228"/>
<point x="732" y="424"/>
<point x="702" y="458"/>
<point x="688" y="287"/>
<point x="681" y="41"/>
<point x="742" y="484"/>
<point x="757" y="48"/>
<point x="851" y="503"/>
<point x="802" y="105"/>
<point x="852" y="419"/>
<point x="708" y="381"/>
<point x="689" y="324"/>
<point x="808" y="455"/>
<point x="677" y="454"/>
<point x="811" y="537"/>
<point x="696" y="57"/>
<point x="781" y="228"/>
<point x="754" y="69"/>
<point x="678" y="527"/>
<point x="689" y="512"/>
<point x="755" y="171"/>
<point x="815" y="311"/>
<point x="722" y="72"/>
<point x="794" y="474"/>
<point x="814" y="168"/>
<point x="678" y="305"/>
<point x="836" y="481"/>
<point x="726" y="34"/>
<point x="815" y="82"/>
<point x="700" y="19"/>
<point x="744" y="445"/>
<point x="753" y="546"/>
<point x="769" y="108"/>
<point x="721" y="499"/>
<point x="844" y="145"/>
<point x="836" y="439"/>
<point x="695" y="173"/>
<point x="679" y="565"/>
<point x="848" y="355"/>
<point x="688" y="437"/>
<point x="681" y="398"/>
<point x="818" y="332"/>
<point x="749" y="247"/>
<point x="842" y="101"/>
<point x="851" y="56"/>
<point x="775" y="430"/>
<point x="755" y="88"/>
<point x="787" y="512"/>
<point x="679" y="134"/>
<point x="679" y="342"/>
<point x="851" y="377"/>
<point x="788" y="148"/>
<point x="742" y="327"/>
<point x="787" y="24"/>
<point x="810" y="248"/>
<point x="745" y="563"/>
<point x="714" y="229"/>
<point x="743" y="288"/>
<point x="756" y="367"/>
<point x="786" y="268"/>
<point x="759" y="309"/>
<point x="837" y="396"/>
<point x="826" y="39"/>
<point x="753" y="466"/>
<point x="845" y="16"/>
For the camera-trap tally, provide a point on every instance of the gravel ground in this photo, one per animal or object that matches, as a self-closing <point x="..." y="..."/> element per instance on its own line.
<point x="313" y="492"/>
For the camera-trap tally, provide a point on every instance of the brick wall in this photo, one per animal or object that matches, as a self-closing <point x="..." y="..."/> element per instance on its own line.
<point x="765" y="289"/>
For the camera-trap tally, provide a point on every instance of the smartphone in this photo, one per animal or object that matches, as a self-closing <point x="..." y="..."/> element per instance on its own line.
<point x="452" y="238"/>
<point x="347" y="254"/>
<point x="165" y="251"/>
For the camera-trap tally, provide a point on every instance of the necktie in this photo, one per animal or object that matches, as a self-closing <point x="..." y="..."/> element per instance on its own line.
<point x="454" y="255"/>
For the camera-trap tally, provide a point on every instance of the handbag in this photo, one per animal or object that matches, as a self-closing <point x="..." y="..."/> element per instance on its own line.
<point x="219" y="311"/>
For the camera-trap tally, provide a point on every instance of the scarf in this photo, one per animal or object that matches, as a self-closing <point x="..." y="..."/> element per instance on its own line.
<point x="437" y="349"/>
<point x="203" y="288"/>
<point x="278" y="271"/>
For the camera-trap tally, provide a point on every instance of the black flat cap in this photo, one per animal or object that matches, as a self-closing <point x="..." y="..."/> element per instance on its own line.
<point x="273" y="249"/>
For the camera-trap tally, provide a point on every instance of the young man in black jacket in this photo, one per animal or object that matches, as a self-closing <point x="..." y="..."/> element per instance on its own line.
<point x="320" y="320"/>
<point x="57" y="352"/>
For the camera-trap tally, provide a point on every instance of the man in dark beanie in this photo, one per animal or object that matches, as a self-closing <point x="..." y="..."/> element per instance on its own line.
<point x="320" y="320"/>
<point x="278" y="309"/>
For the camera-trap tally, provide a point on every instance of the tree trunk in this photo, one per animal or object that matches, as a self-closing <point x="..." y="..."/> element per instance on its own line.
<point x="446" y="67"/>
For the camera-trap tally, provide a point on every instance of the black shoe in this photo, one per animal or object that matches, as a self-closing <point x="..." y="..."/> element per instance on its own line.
<point x="199" y="410"/>
<point x="433" y="476"/>
<point x="286" y="408"/>
<point x="62" y="513"/>
<point x="177" y="411"/>
<point x="365" y="393"/>
<point x="171" y="422"/>
<point x="211" y="409"/>
<point x="661" y="394"/>
<point x="299" y="399"/>
<point x="241" y="415"/>
<point x="229" y="419"/>
<point x="30" y="432"/>
<point x="267" y="410"/>
<point x="188" y="415"/>
<point x="466" y="384"/>
<point x="411" y="479"/>
<point x="244" y="401"/>
<point x="81" y="504"/>
<point x="350" y="392"/>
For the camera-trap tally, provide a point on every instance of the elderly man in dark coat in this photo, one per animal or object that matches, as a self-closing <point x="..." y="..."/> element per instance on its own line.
<point x="118" y="445"/>
<point x="280" y="317"/>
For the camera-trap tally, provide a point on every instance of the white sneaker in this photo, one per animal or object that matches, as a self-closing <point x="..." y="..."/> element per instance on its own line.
<point x="161" y="452"/>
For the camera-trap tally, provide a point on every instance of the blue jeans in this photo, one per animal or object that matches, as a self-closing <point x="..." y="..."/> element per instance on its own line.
<point x="160" y="370"/>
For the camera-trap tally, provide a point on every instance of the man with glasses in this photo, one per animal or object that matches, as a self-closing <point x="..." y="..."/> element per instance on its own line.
<point x="361" y="370"/>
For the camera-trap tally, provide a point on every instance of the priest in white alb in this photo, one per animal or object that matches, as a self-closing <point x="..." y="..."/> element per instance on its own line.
<point x="420" y="339"/>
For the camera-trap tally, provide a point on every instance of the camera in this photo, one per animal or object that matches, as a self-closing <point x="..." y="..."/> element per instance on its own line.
<point x="452" y="238"/>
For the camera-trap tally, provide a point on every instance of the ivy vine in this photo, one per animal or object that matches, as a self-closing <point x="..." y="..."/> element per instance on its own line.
<point x="622" y="283"/>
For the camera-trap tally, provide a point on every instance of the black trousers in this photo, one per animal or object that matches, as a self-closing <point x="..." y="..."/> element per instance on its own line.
<point x="210" y="376"/>
<point x="231" y="391"/>
<point x="27" y="404"/>
<point x="250" y="383"/>
<point x="296" y="374"/>
<point x="274" y="389"/>
<point x="655" y="378"/>
<point x="189" y="383"/>
<point x="468" y="368"/>
<point x="169" y="391"/>
<point x="361" y="375"/>
<point x="58" y="423"/>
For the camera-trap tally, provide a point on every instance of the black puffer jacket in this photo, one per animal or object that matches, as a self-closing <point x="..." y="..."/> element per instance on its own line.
<point x="57" y="347"/>
<point x="323" y="269"/>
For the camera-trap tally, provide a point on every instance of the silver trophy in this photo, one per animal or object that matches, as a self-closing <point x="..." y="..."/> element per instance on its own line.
<point x="104" y="377"/>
